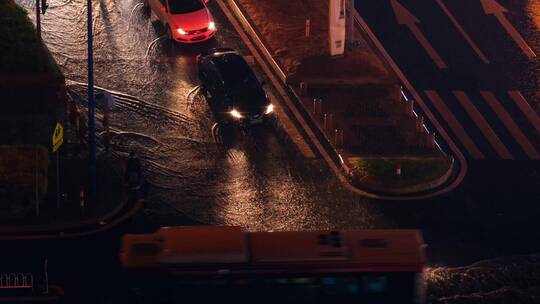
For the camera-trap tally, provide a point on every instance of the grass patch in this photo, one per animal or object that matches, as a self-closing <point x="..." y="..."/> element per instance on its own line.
<point x="381" y="172"/>
<point x="19" y="47"/>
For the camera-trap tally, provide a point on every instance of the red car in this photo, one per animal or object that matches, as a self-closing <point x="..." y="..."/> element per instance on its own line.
<point x="186" y="21"/>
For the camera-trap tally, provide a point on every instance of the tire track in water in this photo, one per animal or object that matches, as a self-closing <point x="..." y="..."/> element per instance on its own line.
<point x="131" y="102"/>
<point x="164" y="171"/>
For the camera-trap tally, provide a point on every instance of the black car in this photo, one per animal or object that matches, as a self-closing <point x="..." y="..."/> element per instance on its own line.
<point x="231" y="88"/>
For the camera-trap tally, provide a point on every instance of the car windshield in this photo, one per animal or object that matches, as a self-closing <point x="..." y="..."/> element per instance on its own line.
<point x="185" y="6"/>
<point x="237" y="74"/>
<point x="240" y="80"/>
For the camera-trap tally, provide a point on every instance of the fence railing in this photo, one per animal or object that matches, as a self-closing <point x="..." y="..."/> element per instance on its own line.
<point x="16" y="280"/>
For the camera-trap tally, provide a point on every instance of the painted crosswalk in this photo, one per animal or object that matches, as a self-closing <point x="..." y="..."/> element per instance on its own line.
<point x="526" y="108"/>
<point x="484" y="126"/>
<point x="456" y="127"/>
<point x="510" y="124"/>
<point x="477" y="119"/>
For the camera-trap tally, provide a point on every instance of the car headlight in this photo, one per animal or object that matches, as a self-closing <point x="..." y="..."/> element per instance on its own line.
<point x="269" y="109"/>
<point x="211" y="25"/>
<point x="181" y="31"/>
<point x="236" y="114"/>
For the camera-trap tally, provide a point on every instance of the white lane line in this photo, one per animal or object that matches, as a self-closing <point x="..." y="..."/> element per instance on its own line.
<point x="462" y="31"/>
<point x="492" y="7"/>
<point x="454" y="124"/>
<point x="526" y="108"/>
<point x="404" y="17"/>
<point x="482" y="124"/>
<point x="510" y="124"/>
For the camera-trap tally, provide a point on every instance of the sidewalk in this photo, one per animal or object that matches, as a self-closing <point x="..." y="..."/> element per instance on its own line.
<point x="71" y="214"/>
<point x="33" y="87"/>
<point x="68" y="214"/>
<point x="353" y="100"/>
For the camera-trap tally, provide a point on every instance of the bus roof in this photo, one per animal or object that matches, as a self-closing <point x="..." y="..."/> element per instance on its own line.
<point x="185" y="245"/>
<point x="206" y="244"/>
<point x="368" y="247"/>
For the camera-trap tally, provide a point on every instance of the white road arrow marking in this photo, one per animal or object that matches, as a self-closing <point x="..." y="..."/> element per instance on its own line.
<point x="405" y="17"/>
<point x="462" y="31"/>
<point x="491" y="7"/>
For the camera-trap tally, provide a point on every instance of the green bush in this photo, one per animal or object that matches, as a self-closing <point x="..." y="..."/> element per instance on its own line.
<point x="18" y="42"/>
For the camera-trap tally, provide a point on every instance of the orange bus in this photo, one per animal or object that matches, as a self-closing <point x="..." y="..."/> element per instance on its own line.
<point x="225" y="264"/>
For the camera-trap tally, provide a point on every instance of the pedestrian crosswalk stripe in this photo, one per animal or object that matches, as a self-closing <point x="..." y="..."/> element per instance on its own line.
<point x="482" y="124"/>
<point x="510" y="124"/>
<point x="454" y="124"/>
<point x="526" y="108"/>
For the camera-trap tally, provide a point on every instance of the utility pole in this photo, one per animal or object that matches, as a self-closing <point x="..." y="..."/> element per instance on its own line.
<point x="91" y="105"/>
<point x="38" y="21"/>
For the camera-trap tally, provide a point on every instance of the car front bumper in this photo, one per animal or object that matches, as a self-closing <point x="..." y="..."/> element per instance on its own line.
<point x="194" y="38"/>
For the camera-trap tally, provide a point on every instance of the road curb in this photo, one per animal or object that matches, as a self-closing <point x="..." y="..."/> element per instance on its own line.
<point x="62" y="230"/>
<point x="426" y="186"/>
<point x="234" y="13"/>
<point x="98" y="227"/>
<point x="62" y="227"/>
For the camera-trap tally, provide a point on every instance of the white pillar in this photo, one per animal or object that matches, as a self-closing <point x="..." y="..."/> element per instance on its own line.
<point x="336" y="21"/>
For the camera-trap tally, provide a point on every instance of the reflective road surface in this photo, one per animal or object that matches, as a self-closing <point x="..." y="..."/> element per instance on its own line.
<point x="258" y="181"/>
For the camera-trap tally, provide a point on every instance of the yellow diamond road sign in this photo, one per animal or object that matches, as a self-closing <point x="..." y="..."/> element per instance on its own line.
<point x="58" y="137"/>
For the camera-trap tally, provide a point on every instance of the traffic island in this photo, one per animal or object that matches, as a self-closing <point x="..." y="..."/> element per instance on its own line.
<point x="399" y="174"/>
<point x="352" y="103"/>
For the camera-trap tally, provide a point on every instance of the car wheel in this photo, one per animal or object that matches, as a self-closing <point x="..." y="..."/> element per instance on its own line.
<point x="169" y="33"/>
<point x="269" y="121"/>
<point x="207" y="93"/>
<point x="147" y="12"/>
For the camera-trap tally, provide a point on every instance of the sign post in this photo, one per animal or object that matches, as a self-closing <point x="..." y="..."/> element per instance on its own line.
<point x="38" y="21"/>
<point x="57" y="140"/>
<point x="37" y="180"/>
<point x="91" y="103"/>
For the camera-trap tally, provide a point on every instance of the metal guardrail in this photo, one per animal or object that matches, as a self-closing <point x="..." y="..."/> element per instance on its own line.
<point x="255" y="36"/>
<point x="358" y="21"/>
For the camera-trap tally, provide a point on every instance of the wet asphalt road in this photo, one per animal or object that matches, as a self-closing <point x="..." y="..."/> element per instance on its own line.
<point x="259" y="182"/>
